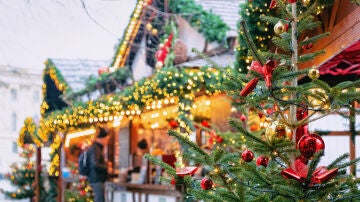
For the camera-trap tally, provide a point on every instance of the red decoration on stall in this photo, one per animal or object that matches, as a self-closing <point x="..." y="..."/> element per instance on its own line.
<point x="206" y="183"/>
<point x="181" y="172"/>
<point x="292" y="1"/>
<point x="214" y="138"/>
<point x="247" y="155"/>
<point x="173" y="123"/>
<point x="262" y="161"/>
<point x="309" y="144"/>
<point x="103" y="70"/>
<point x="205" y="123"/>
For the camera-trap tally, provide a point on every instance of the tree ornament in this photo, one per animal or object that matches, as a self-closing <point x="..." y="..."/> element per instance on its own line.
<point x="277" y="130"/>
<point x="243" y="117"/>
<point x="148" y="26"/>
<point x="247" y="155"/>
<point x="154" y="31"/>
<point x="262" y="161"/>
<point x="305" y="2"/>
<point x="309" y="144"/>
<point x="273" y="4"/>
<point x="307" y="46"/>
<point x="292" y="1"/>
<point x="206" y="183"/>
<point x="313" y="73"/>
<point x="279" y="28"/>
<point x="268" y="69"/>
<point x="181" y="172"/>
<point x="249" y="87"/>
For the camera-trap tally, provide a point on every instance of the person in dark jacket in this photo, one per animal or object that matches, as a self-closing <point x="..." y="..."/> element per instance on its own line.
<point x="98" y="166"/>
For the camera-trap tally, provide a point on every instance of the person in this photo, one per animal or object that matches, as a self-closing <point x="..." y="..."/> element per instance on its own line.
<point x="139" y="164"/>
<point x="98" y="165"/>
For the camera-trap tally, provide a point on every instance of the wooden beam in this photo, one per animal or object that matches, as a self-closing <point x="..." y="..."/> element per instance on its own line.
<point x="333" y="14"/>
<point x="342" y="36"/>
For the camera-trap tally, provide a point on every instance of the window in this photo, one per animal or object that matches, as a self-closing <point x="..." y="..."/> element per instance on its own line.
<point x="36" y="96"/>
<point x="14" y="147"/>
<point x="13" y="121"/>
<point x="13" y="94"/>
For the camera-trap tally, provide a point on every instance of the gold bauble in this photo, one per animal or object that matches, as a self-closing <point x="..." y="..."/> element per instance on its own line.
<point x="154" y="31"/>
<point x="148" y="26"/>
<point x="313" y="73"/>
<point x="277" y="130"/>
<point x="279" y="28"/>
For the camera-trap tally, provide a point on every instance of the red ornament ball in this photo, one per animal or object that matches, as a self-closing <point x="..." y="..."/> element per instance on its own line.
<point x="205" y="123"/>
<point x="243" y="117"/>
<point x="247" y="155"/>
<point x="262" y="161"/>
<point x="206" y="183"/>
<point x="309" y="144"/>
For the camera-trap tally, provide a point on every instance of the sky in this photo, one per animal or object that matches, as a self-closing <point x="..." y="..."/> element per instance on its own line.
<point x="33" y="30"/>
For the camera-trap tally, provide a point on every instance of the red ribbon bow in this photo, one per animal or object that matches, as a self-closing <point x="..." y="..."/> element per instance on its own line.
<point x="299" y="172"/>
<point x="265" y="70"/>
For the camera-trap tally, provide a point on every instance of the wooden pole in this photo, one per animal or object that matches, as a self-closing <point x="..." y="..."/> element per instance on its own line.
<point x="352" y="137"/>
<point x="37" y="174"/>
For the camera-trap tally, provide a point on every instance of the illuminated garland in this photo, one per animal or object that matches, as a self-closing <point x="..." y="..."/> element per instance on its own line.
<point x="210" y="25"/>
<point x="54" y="74"/>
<point x="167" y="83"/>
<point x="55" y="147"/>
<point x="29" y="132"/>
<point x="129" y="35"/>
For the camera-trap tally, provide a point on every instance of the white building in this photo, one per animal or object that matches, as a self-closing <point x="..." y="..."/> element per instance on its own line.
<point x="20" y="91"/>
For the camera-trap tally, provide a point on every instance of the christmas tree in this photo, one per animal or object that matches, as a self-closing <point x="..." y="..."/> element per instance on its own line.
<point x="22" y="176"/>
<point x="278" y="159"/>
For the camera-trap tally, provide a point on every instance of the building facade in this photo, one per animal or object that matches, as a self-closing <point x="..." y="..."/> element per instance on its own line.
<point x="20" y="91"/>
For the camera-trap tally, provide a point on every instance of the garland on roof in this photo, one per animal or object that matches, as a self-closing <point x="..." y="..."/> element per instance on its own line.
<point x="107" y="82"/>
<point x="129" y="34"/>
<point x="30" y="133"/>
<point x="210" y="25"/>
<point x="133" y="100"/>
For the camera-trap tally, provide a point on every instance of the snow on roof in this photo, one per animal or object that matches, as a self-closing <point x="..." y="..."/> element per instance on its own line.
<point x="77" y="71"/>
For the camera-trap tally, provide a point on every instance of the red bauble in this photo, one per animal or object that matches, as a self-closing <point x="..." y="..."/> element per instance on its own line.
<point x="262" y="161"/>
<point x="206" y="183"/>
<point x="309" y="144"/>
<point x="292" y="1"/>
<point x="243" y="117"/>
<point x="247" y="155"/>
<point x="173" y="181"/>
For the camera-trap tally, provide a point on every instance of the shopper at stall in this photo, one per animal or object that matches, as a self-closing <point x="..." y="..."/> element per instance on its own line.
<point x="98" y="165"/>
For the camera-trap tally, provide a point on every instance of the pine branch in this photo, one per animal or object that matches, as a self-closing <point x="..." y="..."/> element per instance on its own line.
<point x="250" y="43"/>
<point x="189" y="143"/>
<point x="236" y="124"/>
<point x="170" y="170"/>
